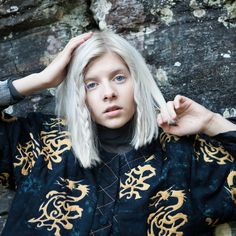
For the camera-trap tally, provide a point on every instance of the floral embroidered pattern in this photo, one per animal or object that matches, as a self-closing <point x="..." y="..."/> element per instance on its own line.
<point x="167" y="219"/>
<point x="136" y="180"/>
<point x="61" y="207"/>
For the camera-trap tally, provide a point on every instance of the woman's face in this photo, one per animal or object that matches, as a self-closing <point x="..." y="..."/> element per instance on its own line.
<point x="109" y="91"/>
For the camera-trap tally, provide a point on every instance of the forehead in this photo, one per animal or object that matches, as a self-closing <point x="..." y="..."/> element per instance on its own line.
<point x="106" y="63"/>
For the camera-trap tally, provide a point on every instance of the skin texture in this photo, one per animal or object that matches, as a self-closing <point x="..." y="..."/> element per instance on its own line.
<point x="189" y="116"/>
<point x="110" y="93"/>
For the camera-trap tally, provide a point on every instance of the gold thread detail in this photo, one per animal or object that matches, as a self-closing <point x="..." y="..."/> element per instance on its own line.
<point x="167" y="219"/>
<point x="136" y="180"/>
<point x="231" y="181"/>
<point x="210" y="153"/>
<point x="60" y="209"/>
<point x="51" y="146"/>
<point x="165" y="138"/>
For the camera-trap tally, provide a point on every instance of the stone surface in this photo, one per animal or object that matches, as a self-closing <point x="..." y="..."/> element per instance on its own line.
<point x="188" y="41"/>
<point x="189" y="46"/>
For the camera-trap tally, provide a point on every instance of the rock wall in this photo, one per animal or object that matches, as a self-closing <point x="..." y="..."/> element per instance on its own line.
<point x="189" y="46"/>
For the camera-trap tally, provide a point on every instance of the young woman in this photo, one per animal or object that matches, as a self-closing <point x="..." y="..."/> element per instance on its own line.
<point x="104" y="167"/>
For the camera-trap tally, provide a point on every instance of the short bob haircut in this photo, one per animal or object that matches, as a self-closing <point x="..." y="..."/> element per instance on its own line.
<point x="71" y="96"/>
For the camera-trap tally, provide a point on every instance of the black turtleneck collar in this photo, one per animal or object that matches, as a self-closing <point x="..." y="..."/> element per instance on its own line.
<point x="116" y="140"/>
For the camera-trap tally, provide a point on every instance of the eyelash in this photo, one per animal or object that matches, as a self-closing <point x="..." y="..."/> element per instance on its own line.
<point x="119" y="76"/>
<point x="93" y="84"/>
<point x="90" y="83"/>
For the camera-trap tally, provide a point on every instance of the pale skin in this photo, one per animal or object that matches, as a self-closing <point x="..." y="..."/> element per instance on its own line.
<point x="189" y="116"/>
<point x="110" y="92"/>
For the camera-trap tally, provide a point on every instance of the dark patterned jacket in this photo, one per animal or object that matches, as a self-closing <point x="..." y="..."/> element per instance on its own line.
<point x="173" y="186"/>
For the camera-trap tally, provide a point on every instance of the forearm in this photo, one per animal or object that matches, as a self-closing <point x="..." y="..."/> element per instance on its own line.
<point x="30" y="84"/>
<point x="218" y="124"/>
<point x="13" y="91"/>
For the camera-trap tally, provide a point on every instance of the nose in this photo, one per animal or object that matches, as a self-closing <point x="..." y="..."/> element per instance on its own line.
<point x="109" y="93"/>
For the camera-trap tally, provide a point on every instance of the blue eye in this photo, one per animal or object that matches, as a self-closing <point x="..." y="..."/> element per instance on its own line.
<point x="90" y="85"/>
<point x="120" y="78"/>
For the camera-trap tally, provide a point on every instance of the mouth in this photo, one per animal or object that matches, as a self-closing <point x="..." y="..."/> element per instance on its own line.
<point x="112" y="108"/>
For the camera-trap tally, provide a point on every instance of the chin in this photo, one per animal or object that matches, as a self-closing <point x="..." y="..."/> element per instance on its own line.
<point x="117" y="126"/>
<point x="114" y="125"/>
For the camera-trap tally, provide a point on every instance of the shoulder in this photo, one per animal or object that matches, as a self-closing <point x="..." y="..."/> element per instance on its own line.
<point x="32" y="123"/>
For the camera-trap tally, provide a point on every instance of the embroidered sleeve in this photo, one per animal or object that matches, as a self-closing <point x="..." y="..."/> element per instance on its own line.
<point x="215" y="176"/>
<point x="199" y="171"/>
<point x="25" y="141"/>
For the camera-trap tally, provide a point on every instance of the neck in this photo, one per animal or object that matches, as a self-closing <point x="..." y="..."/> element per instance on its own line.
<point x="116" y="140"/>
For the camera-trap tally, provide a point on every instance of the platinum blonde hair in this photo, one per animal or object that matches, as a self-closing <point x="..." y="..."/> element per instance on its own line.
<point x="71" y="96"/>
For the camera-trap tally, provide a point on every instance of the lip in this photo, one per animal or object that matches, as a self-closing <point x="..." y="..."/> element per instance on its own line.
<point x="112" y="108"/>
<point x="113" y="111"/>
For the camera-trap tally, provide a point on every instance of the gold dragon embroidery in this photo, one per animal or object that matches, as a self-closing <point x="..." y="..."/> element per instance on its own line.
<point x="61" y="208"/>
<point x="136" y="180"/>
<point x="27" y="155"/>
<point x="211" y="153"/>
<point x="55" y="122"/>
<point x="166" y="219"/>
<point x="52" y="144"/>
<point x="231" y="181"/>
<point x="164" y="138"/>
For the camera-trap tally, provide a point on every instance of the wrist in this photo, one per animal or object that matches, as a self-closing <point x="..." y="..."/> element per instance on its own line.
<point x="29" y="84"/>
<point x="217" y="124"/>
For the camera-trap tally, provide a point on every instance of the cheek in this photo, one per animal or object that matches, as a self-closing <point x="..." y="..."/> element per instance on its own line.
<point x="133" y="103"/>
<point x="89" y="104"/>
<point x="92" y="105"/>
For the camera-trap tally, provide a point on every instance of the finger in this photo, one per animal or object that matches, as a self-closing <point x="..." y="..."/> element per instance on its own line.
<point x="164" y="116"/>
<point x="77" y="41"/>
<point x="81" y="38"/>
<point x="159" y="120"/>
<point x="181" y="103"/>
<point x="177" y="101"/>
<point x="172" y="130"/>
<point x="171" y="109"/>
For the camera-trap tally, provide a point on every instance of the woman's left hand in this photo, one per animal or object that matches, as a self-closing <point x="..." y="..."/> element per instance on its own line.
<point x="191" y="118"/>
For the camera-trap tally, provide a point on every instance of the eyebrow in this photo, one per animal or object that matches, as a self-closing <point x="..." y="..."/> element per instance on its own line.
<point x="111" y="74"/>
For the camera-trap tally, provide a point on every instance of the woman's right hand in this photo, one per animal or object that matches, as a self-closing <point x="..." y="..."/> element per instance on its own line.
<point x="54" y="73"/>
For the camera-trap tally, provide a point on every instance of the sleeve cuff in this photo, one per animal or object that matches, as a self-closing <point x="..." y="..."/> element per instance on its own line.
<point x="5" y="94"/>
<point x="9" y="95"/>
<point x="16" y="96"/>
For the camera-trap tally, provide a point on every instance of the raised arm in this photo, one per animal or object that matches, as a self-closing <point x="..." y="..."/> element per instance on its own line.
<point x="54" y="73"/>
<point x="191" y="118"/>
